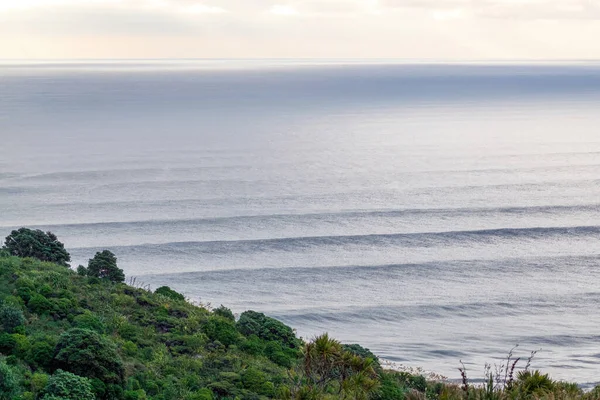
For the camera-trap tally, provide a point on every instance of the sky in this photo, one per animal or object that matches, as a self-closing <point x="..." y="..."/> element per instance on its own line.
<point x="358" y="29"/>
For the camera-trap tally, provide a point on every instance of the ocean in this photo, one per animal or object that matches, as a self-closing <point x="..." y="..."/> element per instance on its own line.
<point x="431" y="212"/>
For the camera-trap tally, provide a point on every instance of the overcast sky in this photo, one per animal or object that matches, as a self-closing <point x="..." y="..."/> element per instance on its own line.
<point x="405" y="29"/>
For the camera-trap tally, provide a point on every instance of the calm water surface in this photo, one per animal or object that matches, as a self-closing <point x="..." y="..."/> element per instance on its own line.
<point x="429" y="212"/>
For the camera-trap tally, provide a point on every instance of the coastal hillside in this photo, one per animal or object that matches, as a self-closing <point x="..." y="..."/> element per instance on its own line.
<point x="84" y="334"/>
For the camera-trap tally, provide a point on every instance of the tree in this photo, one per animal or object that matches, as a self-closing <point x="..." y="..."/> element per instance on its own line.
<point x="8" y="382"/>
<point x="104" y="266"/>
<point x="67" y="386"/>
<point x="37" y="244"/>
<point x="327" y="367"/>
<point x="11" y="317"/>
<point x="88" y="354"/>
<point x="267" y="328"/>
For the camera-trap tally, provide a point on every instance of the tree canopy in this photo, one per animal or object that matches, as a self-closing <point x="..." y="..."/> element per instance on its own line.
<point x="104" y="266"/>
<point x="44" y="246"/>
<point x="88" y="354"/>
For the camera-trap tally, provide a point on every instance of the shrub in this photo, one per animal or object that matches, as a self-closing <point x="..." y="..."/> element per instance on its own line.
<point x="37" y="244"/>
<point x="256" y="381"/>
<point x="82" y="271"/>
<point x="40" y="352"/>
<point x="139" y="394"/>
<point x="363" y="352"/>
<point x="38" y="382"/>
<point x="11" y="317"/>
<point x="7" y="343"/>
<point x="529" y="383"/>
<point x="252" y="345"/>
<point x="224" y="312"/>
<point x="8" y="382"/>
<point x="38" y="304"/>
<point x="68" y="386"/>
<point x="202" y="394"/>
<point x="267" y="328"/>
<point x="88" y="354"/>
<point x="170" y="293"/>
<point x="280" y="355"/>
<point x="222" y="330"/>
<point x="91" y="321"/>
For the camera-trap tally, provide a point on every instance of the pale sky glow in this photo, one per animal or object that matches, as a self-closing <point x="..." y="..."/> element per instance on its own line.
<point x="404" y="29"/>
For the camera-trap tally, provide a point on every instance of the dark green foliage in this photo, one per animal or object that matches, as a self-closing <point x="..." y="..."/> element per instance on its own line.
<point x="104" y="266"/>
<point x="11" y="317"/>
<point x="39" y="304"/>
<point x="8" y="382"/>
<point x="391" y="388"/>
<point x="202" y="394"/>
<point x="40" y="351"/>
<point x="89" y="320"/>
<point x="37" y="244"/>
<point x="7" y="343"/>
<point x="360" y="351"/>
<point x="224" y="312"/>
<point x="139" y="394"/>
<point x="82" y="271"/>
<point x="535" y="382"/>
<point x="253" y="345"/>
<point x="68" y="386"/>
<point x="279" y="354"/>
<point x="256" y="381"/>
<point x="221" y="330"/>
<point x="170" y="293"/>
<point x="267" y="328"/>
<point x="88" y="354"/>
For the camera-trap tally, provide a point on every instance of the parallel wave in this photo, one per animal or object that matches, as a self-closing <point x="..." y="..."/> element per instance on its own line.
<point x="299" y="274"/>
<point x="429" y="239"/>
<point x="390" y="313"/>
<point x="392" y="213"/>
<point x="120" y="173"/>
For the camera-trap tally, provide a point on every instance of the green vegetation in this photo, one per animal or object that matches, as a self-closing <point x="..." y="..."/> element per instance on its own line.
<point x="84" y="335"/>
<point x="26" y="242"/>
<point x="104" y="266"/>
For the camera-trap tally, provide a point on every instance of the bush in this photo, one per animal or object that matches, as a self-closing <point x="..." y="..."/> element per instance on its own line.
<point x="139" y="394"/>
<point x="11" y="317"/>
<point x="38" y="382"/>
<point x="219" y="329"/>
<point x="252" y="345"/>
<point x="266" y="328"/>
<point x="363" y="352"/>
<point x="37" y="244"/>
<point x="88" y="354"/>
<point x="224" y="312"/>
<point x="7" y="343"/>
<point x="82" y="271"/>
<point x="68" y="386"/>
<point x="38" y="304"/>
<point x="8" y="382"/>
<point x="89" y="320"/>
<point x="256" y="381"/>
<point x="40" y="352"/>
<point x="202" y="394"/>
<point x="530" y="383"/>
<point x="170" y="293"/>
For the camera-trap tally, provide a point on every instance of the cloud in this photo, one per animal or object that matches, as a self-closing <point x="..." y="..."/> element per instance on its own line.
<point x="437" y="9"/>
<point x="279" y="9"/>
<point x="440" y="29"/>
<point x="503" y="9"/>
